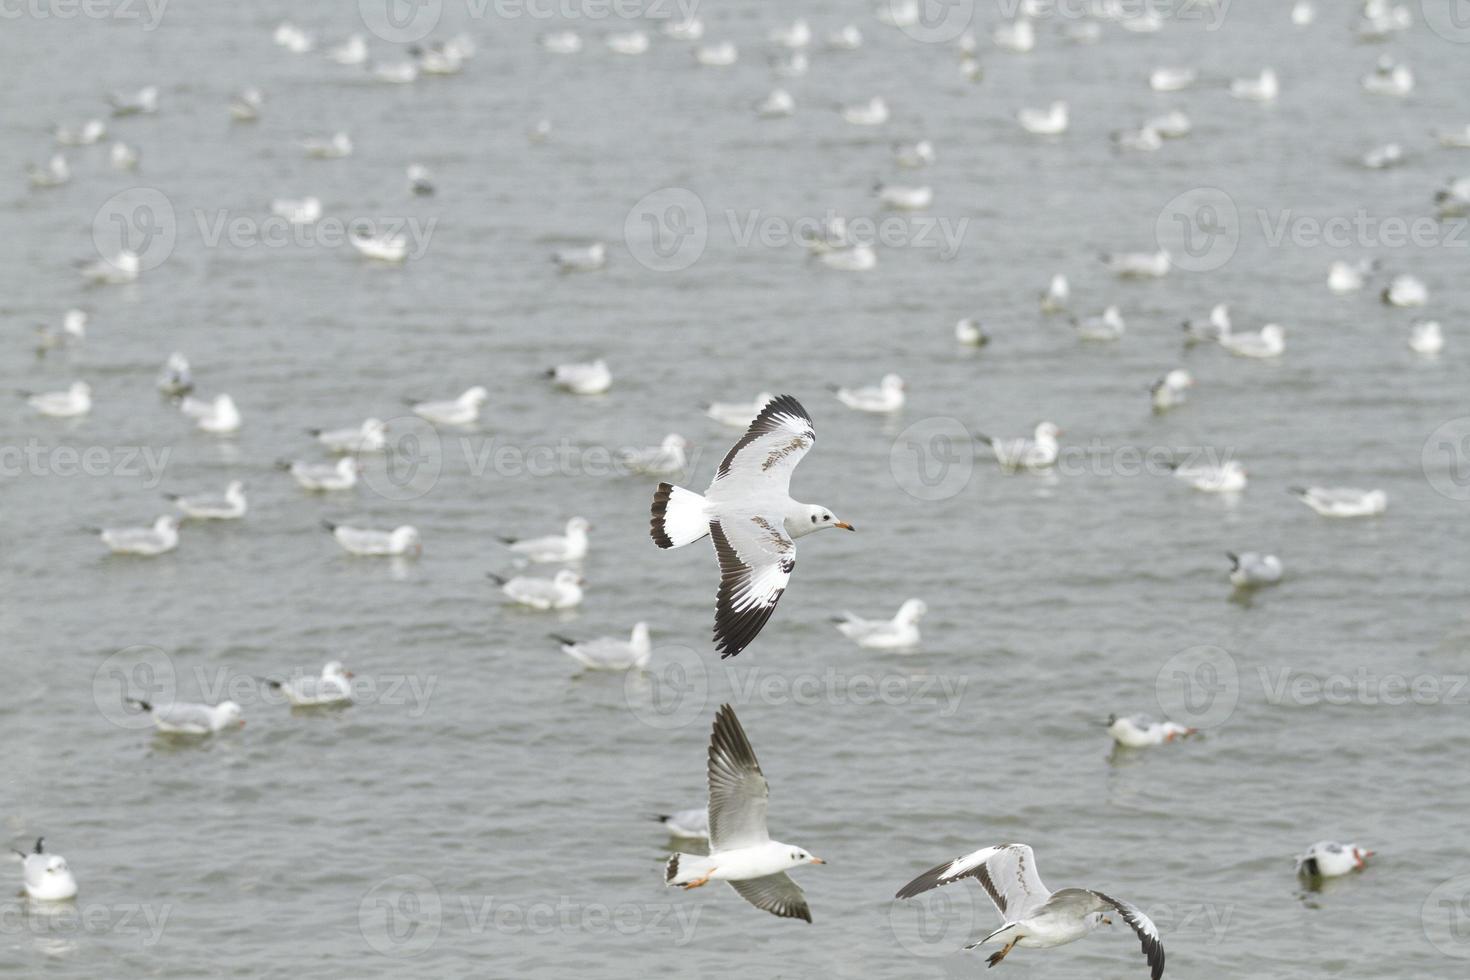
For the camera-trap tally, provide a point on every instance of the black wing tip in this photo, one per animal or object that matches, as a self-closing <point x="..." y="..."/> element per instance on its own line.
<point x="1299" y="491"/>
<point x="503" y="539"/>
<point x="330" y="525"/>
<point x="563" y="640"/>
<point x="497" y="579"/>
<point x="671" y="870"/>
<point x="658" y="512"/>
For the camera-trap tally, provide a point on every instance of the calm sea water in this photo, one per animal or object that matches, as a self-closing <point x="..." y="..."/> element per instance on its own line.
<point x="484" y="809"/>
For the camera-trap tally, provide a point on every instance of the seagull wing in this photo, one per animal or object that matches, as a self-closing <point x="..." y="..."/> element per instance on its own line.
<point x="778" y="894"/>
<point x="738" y="793"/>
<point x="756" y="558"/>
<point x="1007" y="872"/>
<point x="761" y="463"/>
<point x="1148" y="933"/>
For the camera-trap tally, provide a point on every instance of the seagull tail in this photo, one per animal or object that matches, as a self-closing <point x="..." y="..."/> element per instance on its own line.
<point x="505" y="540"/>
<point x="982" y="437"/>
<point x="1299" y="491"/>
<point x="139" y="702"/>
<point x="497" y="579"/>
<point x="678" y="517"/>
<point x="685" y="868"/>
<point x="329" y="525"/>
<point x="563" y="640"/>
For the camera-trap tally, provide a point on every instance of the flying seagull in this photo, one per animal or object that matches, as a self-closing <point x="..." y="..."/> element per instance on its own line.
<point x="752" y="520"/>
<point x="1033" y="916"/>
<point x="740" y="849"/>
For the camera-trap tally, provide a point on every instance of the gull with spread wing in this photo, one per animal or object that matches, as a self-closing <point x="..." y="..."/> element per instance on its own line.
<point x="1033" y="916"/>
<point x="740" y="848"/>
<point x="749" y="515"/>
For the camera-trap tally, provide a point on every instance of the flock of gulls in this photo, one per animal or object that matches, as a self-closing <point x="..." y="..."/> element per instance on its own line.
<point x="747" y="511"/>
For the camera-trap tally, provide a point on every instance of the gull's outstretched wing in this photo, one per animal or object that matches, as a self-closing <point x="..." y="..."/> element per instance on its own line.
<point x="1148" y="933"/>
<point x="738" y="793"/>
<point x="1007" y="872"/>
<point x="756" y="558"/>
<point x="761" y="463"/>
<point x="778" y="894"/>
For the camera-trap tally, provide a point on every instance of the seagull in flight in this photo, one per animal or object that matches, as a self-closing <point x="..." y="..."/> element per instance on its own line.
<point x="1033" y="916"/>
<point x="751" y="518"/>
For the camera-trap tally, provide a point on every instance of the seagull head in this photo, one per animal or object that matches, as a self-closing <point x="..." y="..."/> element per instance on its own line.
<point x="229" y="713"/>
<point x="816" y="518"/>
<point x="1360" y="856"/>
<point x="799" y="856"/>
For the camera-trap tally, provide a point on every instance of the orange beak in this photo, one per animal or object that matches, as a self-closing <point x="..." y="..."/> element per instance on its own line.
<point x="818" y="861"/>
<point x="845" y="526"/>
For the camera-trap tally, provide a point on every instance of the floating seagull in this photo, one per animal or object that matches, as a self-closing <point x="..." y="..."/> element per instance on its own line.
<point x="627" y="43"/>
<point x="353" y="51"/>
<point x="1226" y="477"/>
<point x="1057" y="294"/>
<point x="874" y="112"/>
<point x="688" y="29"/>
<point x="217" y="417"/>
<point x="776" y="105"/>
<point x="740" y="848"/>
<point x="914" y="155"/>
<point x="1383" y="157"/>
<point x="751" y="519"/>
<point x="337" y="146"/>
<point x="1342" y="501"/>
<point x="1144" y="140"/>
<point x="899" y="633"/>
<point x="334" y="686"/>
<point x="1168" y="391"/>
<point x="886" y="396"/>
<point x="1303" y="13"/>
<point x="564" y="591"/>
<point x="117" y="271"/>
<point x="561" y="42"/>
<point x="1251" y="568"/>
<point x="448" y="57"/>
<point x="162" y="537"/>
<point x="738" y="414"/>
<point x="585" y="259"/>
<point x="898" y="13"/>
<point x="1405" y="290"/>
<point x="1329" y="859"/>
<point x="370" y="543"/>
<point x="142" y="102"/>
<point x="568" y="546"/>
<point x="46" y="877"/>
<point x="246" y="106"/>
<point x="306" y="211"/>
<point x="1212" y="329"/>
<point x="123" y="157"/>
<point x="73" y="330"/>
<point x="667" y="459"/>
<point x="382" y="248"/>
<point x="1454" y="199"/>
<point x="189" y="718"/>
<point x="420" y="181"/>
<point x="717" y="55"/>
<point x="607" y="653"/>
<point x="318" y="477"/>
<point x="396" y="73"/>
<point x="293" y="38"/>
<point x="90" y="132"/>
<point x="1348" y="277"/>
<point x="1269" y="342"/>
<point x="72" y="403"/>
<point x="692" y="823"/>
<point x="849" y="258"/>
<point x="55" y="173"/>
<point x="175" y="379"/>
<point x="540" y="132"/>
<point x="1381" y="21"/>
<point x="899" y="197"/>
<point x="231" y="506"/>
<point x="1389" y="78"/>
<point x="845" y="38"/>
<point x="370" y="437"/>
<point x="464" y="410"/>
<point x="1018" y="36"/>
<point x="969" y="331"/>
<point x="1171" y="79"/>
<point x="1171" y="125"/>
<point x="1141" y="731"/>
<point x="1263" y="88"/>
<point x="1107" y="326"/>
<point x="1035" y="453"/>
<point x="971" y="69"/>
<point x="1425" y="337"/>
<point x="1454" y="139"/>
<point x="798" y="35"/>
<point x="591" y="378"/>
<point x="1137" y="265"/>
<point x="1051" y="121"/>
<point x="1033" y="916"/>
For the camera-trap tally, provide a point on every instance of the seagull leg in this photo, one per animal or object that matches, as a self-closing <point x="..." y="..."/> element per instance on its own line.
<point x="995" y="958"/>
<point x="696" y="883"/>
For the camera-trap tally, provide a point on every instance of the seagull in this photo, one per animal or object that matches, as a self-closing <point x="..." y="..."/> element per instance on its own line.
<point x="886" y="396"/>
<point x="119" y="270"/>
<point x="1389" y="78"/>
<point x="306" y="211"/>
<point x="445" y="57"/>
<point x="569" y="546"/>
<point x="1144" y="140"/>
<point x="46" y="876"/>
<point x="246" y="105"/>
<point x="776" y="105"/>
<point x="55" y="173"/>
<point x="1454" y="139"/>
<point x="1263" y="88"/>
<point x="189" y="718"/>
<point x="971" y="69"/>
<point x="1226" y="477"/>
<point x="1405" y="290"/>
<point x="899" y="633"/>
<point x="1347" y="277"/>
<point x="1035" y="453"/>
<point x="353" y="51"/>
<point x="1171" y="79"/>
<point x="162" y="537"/>
<point x="1107" y="326"/>
<point x="1383" y="157"/>
<point x="585" y="259"/>
<point x="88" y="133"/>
<point x="1168" y="391"/>
<point x="1342" y="501"/>
<point x="914" y="155"/>
<point x="607" y="653"/>
<point x="845" y="38"/>
<point x="464" y="410"/>
<point x="751" y="519"/>
<point x="628" y="43"/>
<point x="229" y="507"/>
<point x="898" y="197"/>
<point x="1051" y="121"/>
<point x="318" y="477"/>
<point x="142" y="102"/>
<point x="420" y="181"/>
<point x="1303" y="13"/>
<point x="1426" y="337"/>
<point x="370" y="543"/>
<point x="1251" y="568"/>
<point x="123" y="157"/>
<point x="740" y="848"/>
<point x="218" y="417"/>
<point x="293" y="38"/>
<point x="692" y="823"/>
<point x="716" y="55"/>
<point x="72" y="403"/>
<point x="738" y="415"/>
<point x="690" y="28"/>
<point x="798" y="35"/>
<point x="1033" y="916"/>
<point x="73" y="330"/>
<point x="849" y="258"/>
<point x="370" y="437"/>
<point x="1171" y="125"/>
<point x="1454" y="198"/>
<point x="1211" y="330"/>
<point x="1018" y="36"/>
<point x="337" y="146"/>
<point x="1270" y="342"/>
<point x="1138" y="265"/>
<point x="561" y="42"/>
<point x="1329" y="859"/>
<point x="592" y="378"/>
<point x="564" y="591"/>
<point x="175" y="379"/>
<point x="969" y="331"/>
<point x="382" y="248"/>
<point x="665" y="460"/>
<point x="1141" y="731"/>
<point x="334" y="686"/>
<point x="1056" y="295"/>
<point x="873" y="112"/>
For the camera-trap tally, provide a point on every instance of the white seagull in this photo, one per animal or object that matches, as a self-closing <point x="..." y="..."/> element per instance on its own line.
<point x="334" y="686"/>
<point x="1269" y="342"/>
<point x="561" y="42"/>
<point x="1426" y="337"/>
<point x="1348" y="277"/>
<point x="1263" y="88"/>
<point x="1329" y="859"/>
<point x="332" y="148"/>
<point x="75" y="401"/>
<point x="564" y="591"/>
<point x="568" y="546"/>
<point x="55" y="172"/>
<point x="1342" y="501"/>
<point x="382" y="248"/>
<point x="189" y="718"/>
<point x="420" y="181"/>
<point x="1405" y="290"/>
<point x="123" y="157"/>
<point x="121" y="269"/>
<point x="627" y="42"/>
<point x="1107" y="326"/>
<point x="142" y="102"/>
<point x="228" y="507"/>
<point x="740" y="848"/>
<point x="370" y="437"/>
<point x="1226" y="477"/>
<point x="1141" y="731"/>
<point x="1051" y="121"/>
<point x="162" y="537"/>
<point x="319" y="477"/>
<point x="899" y="633"/>
<point x="751" y="519"/>
<point x="886" y="396"/>
<point x="88" y="133"/>
<point x="609" y="653"/>
<point x="1138" y="265"/>
<point x="305" y="211"/>
<point x="176" y="379"/>
<point x="464" y="410"/>
<point x="583" y="259"/>
<point x="1168" y="391"/>
<point x="1036" y="453"/>
<point x="914" y="155"/>
<point x="1032" y="915"/>
<point x="591" y="378"/>
<point x="692" y="823"/>
<point x="246" y="105"/>
<point x="719" y="55"/>
<point x="1057" y="294"/>
<point x="970" y="332"/>
<point x="899" y="197"/>
<point x="218" y="416"/>
<point x="73" y="330"/>
<point x="46" y="877"/>
<point x="1250" y="569"/>
<point x="371" y="543"/>
<point x="873" y="112"/>
<point x="738" y="415"/>
<point x="668" y="458"/>
<point x="776" y="105"/>
<point x="1211" y="329"/>
<point x="1171" y="79"/>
